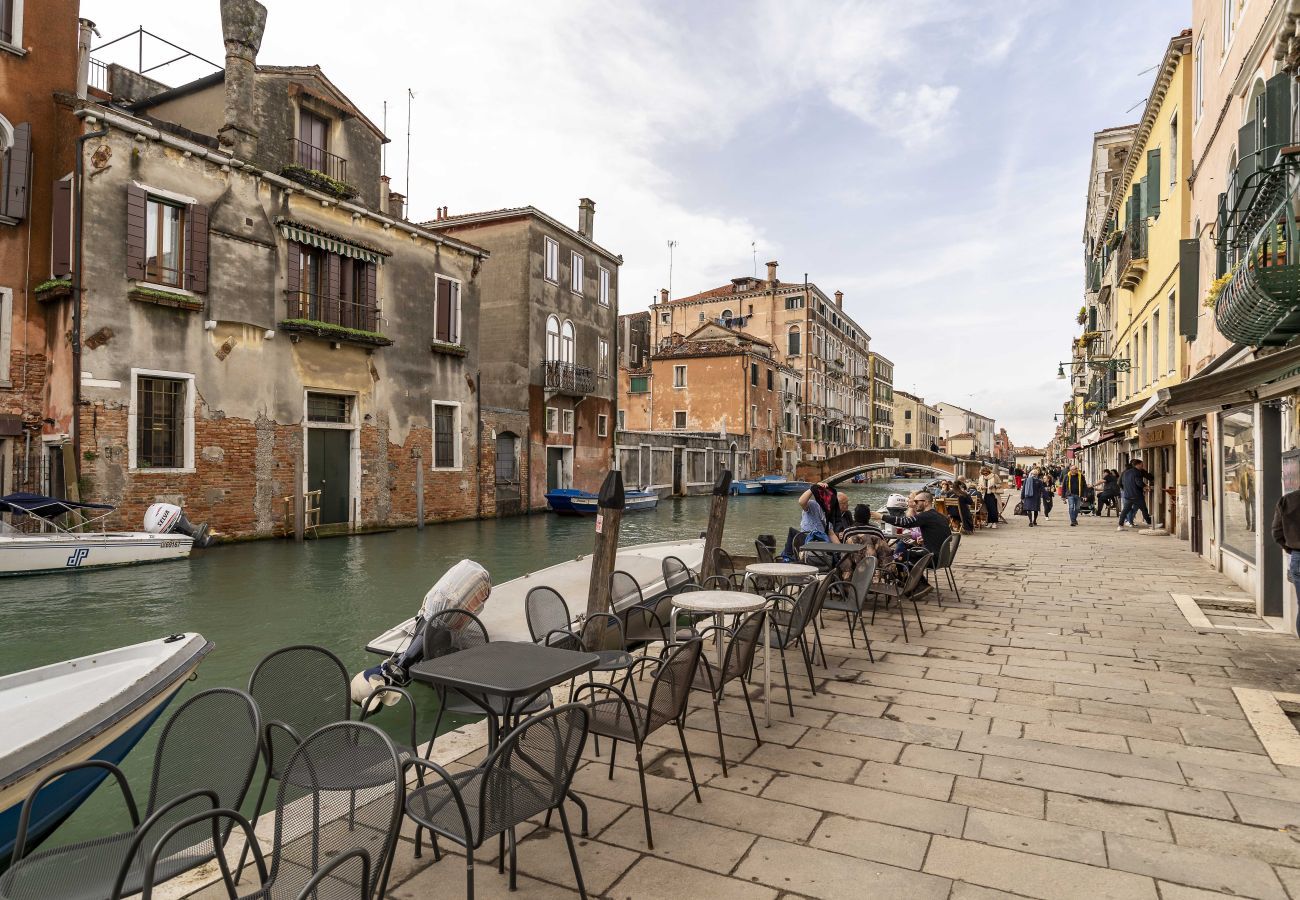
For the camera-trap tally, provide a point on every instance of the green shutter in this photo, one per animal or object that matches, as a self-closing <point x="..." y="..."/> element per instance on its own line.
<point x="1277" y="124"/>
<point x="1246" y="164"/>
<point x="1152" y="180"/>
<point x="1140" y="204"/>
<point x="1220" y="238"/>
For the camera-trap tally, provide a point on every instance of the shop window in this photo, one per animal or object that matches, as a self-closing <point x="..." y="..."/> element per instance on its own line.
<point x="1237" y="506"/>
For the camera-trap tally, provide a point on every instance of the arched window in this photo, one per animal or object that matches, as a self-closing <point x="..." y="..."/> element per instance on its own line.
<point x="566" y="342"/>
<point x="552" y="338"/>
<point x="793" y="346"/>
<point x="726" y="316"/>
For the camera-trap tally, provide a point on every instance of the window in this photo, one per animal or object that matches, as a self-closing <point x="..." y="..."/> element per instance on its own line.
<point x="604" y="286"/>
<point x="1170" y="331"/>
<point x="566" y="416"/>
<point x="566" y="342"/>
<point x="679" y="377"/>
<point x="792" y="341"/>
<point x="313" y="143"/>
<point x="621" y="418"/>
<point x="1238" y="491"/>
<point x="551" y="414"/>
<point x="1155" y="345"/>
<point x="552" y="250"/>
<point x="11" y="22"/>
<point x="701" y="317"/>
<point x="6" y="335"/>
<point x="16" y="167"/>
<point x="665" y="318"/>
<point x="446" y="318"/>
<point x="726" y="316"/>
<point x="753" y="415"/>
<point x="753" y="374"/>
<point x="552" y="338"/>
<point x="602" y="360"/>
<point x="164" y="242"/>
<point x="161" y="422"/>
<point x="446" y="435"/>
<point x="639" y="384"/>
<point x="769" y="379"/>
<point x="575" y="274"/>
<point x="1198" y="81"/>
<point x="907" y="414"/>
<point x="336" y="409"/>
<point x="1173" y="150"/>
<point x="794" y="302"/>
<point x="907" y="438"/>
<point x="602" y="425"/>
<point x="679" y="419"/>
<point x="1229" y="7"/>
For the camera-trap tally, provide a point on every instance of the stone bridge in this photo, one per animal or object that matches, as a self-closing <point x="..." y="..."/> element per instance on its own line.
<point x="846" y="465"/>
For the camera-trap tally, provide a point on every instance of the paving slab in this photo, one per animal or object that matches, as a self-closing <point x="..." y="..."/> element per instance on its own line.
<point x="1031" y="875"/>
<point x="812" y="872"/>
<point x="1194" y="867"/>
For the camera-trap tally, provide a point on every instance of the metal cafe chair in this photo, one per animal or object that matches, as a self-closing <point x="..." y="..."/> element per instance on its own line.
<point x="726" y="576"/>
<point x="527" y="774"/>
<point x="205" y="760"/>
<point x="947" y="553"/>
<point x="678" y="576"/>
<point x="620" y="718"/>
<point x="789" y="620"/>
<point x="326" y="845"/>
<point x="850" y="597"/>
<point x="736" y="662"/>
<point x="644" y="621"/>
<point x="907" y="588"/>
<point x="548" y="616"/>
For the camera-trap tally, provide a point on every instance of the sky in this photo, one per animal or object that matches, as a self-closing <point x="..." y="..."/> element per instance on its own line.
<point x="927" y="157"/>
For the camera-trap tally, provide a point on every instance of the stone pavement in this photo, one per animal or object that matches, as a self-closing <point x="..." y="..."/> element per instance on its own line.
<point x="1063" y="732"/>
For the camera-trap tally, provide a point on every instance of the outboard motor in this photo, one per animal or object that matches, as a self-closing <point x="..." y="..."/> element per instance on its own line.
<point x="167" y="518"/>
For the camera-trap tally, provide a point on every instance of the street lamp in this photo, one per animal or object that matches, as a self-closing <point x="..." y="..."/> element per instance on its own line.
<point x="1060" y="371"/>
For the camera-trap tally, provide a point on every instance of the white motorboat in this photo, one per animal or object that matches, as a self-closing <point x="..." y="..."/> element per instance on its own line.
<point x="45" y="542"/>
<point x="503" y="615"/>
<point x="94" y="707"/>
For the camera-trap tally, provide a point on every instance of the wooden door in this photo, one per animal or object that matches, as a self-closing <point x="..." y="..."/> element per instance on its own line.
<point x="328" y="458"/>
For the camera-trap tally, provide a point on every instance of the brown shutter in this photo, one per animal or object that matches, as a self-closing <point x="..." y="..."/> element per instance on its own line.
<point x="372" y="296"/>
<point x="330" y="306"/>
<point x="442" y="316"/>
<point x="196" y="248"/>
<point x="18" y="168"/>
<point x="136" y="231"/>
<point x="61" y="230"/>
<point x="293" y="276"/>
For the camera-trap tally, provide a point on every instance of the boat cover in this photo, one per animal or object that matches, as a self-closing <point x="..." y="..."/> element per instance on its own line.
<point x="45" y="507"/>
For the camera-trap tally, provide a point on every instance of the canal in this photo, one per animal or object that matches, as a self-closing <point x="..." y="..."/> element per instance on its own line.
<point x="253" y="597"/>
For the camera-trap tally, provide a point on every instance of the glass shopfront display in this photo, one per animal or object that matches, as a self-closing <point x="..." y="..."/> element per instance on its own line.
<point x="1237" y="508"/>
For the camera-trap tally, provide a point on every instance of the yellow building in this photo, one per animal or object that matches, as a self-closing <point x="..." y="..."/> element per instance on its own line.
<point x="1149" y="214"/>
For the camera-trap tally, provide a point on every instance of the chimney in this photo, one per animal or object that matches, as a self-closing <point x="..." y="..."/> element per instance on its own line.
<point x="85" y="28"/>
<point x="384" y="182"/>
<point x="771" y="271"/>
<point x="586" y="216"/>
<point x="839" y="299"/>
<point x="396" y="204"/>
<point x="242" y="25"/>
<point x="663" y="295"/>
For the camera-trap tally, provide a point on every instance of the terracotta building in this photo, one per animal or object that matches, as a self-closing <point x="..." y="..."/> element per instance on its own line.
<point x="258" y="316"/>
<point x="551" y="296"/>
<point x="39" y="81"/>
<point x="723" y="381"/>
<point x="808" y="331"/>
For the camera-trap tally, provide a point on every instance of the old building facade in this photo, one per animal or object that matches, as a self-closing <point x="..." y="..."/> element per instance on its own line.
<point x="881" y="372"/>
<point x="251" y="323"/>
<point x="916" y="423"/>
<point x="551" y="295"/>
<point x="957" y="421"/>
<point x="810" y="332"/>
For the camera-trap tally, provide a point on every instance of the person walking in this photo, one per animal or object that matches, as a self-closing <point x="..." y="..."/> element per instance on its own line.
<point x="1020" y="477"/>
<point x="1073" y="487"/>
<point x="1132" y="491"/>
<point x="1031" y="496"/>
<point x="1286" y="531"/>
<point x="988" y="485"/>
<point x="1049" y="485"/>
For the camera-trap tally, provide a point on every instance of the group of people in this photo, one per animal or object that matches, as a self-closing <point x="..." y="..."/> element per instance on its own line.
<point x="1128" y="487"/>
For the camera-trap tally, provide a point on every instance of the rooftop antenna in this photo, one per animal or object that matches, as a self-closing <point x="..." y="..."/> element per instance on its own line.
<point x="671" y="245"/>
<point x="753" y="249"/>
<point x="410" y="95"/>
<point x="383" y="148"/>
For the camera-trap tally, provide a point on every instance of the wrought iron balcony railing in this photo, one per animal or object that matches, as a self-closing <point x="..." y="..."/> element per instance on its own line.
<point x="567" y="378"/>
<point x="318" y="159"/>
<point x="333" y="311"/>
<point x="1132" y="260"/>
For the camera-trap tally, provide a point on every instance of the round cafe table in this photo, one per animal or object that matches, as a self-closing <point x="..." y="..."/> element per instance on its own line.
<point x="780" y="571"/>
<point x="731" y="603"/>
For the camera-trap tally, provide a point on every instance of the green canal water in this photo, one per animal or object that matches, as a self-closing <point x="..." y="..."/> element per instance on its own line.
<point x="253" y="597"/>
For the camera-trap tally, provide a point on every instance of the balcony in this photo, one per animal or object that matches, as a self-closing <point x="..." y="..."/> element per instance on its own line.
<point x="1260" y="305"/>
<point x="333" y="318"/>
<point x="567" y="378"/>
<point x="317" y="168"/>
<point x="1132" y="262"/>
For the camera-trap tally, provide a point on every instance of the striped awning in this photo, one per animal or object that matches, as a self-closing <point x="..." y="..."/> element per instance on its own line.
<point x="329" y="244"/>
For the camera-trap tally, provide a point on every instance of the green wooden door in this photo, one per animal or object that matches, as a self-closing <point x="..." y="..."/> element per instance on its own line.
<point x="327" y="471"/>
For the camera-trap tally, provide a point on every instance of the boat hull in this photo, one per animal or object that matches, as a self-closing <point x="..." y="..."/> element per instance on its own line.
<point x="633" y="501"/>
<point x="744" y="488"/>
<point x="786" y="487"/>
<point x="107" y="730"/>
<point x="36" y="554"/>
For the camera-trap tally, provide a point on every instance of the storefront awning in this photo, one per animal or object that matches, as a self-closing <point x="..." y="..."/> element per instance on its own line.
<point x="304" y="234"/>
<point x="1121" y="417"/>
<point x="1160" y="397"/>
<point x="1245" y="382"/>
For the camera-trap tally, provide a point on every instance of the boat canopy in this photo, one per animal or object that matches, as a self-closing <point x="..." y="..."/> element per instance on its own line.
<point x="44" y="507"/>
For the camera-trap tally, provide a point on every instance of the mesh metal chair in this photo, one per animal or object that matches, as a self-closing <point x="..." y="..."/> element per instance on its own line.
<point x="451" y="631"/>
<point x="327" y="845"/>
<point x="205" y="760"/>
<point x="622" y="719"/>
<point x="849" y="597"/>
<point x="548" y="617"/>
<point x="766" y="553"/>
<point x="789" y="620"/>
<point x="737" y="660"/>
<point x="678" y="576"/>
<point x="726" y="576"/>
<point x="527" y="774"/>
<point x="644" y="622"/>
<point x="947" y="553"/>
<point x="907" y="586"/>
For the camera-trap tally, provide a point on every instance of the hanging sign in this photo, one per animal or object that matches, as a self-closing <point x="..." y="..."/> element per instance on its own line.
<point x="1156" y="436"/>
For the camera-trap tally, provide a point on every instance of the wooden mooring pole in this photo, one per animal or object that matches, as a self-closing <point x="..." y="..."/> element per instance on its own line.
<point x="717" y="522"/>
<point x="609" y="516"/>
<point x="298" y="499"/>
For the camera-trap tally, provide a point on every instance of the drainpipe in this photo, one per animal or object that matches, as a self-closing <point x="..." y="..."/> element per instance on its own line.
<point x="478" y="436"/>
<point x="78" y="193"/>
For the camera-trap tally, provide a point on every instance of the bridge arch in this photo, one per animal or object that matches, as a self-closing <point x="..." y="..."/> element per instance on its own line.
<point x="869" y="467"/>
<point x="846" y="465"/>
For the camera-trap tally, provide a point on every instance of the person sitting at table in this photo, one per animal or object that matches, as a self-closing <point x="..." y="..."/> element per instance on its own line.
<point x="871" y="537"/>
<point x="933" y="524"/>
<point x="965" y="507"/>
<point x="821" y="511"/>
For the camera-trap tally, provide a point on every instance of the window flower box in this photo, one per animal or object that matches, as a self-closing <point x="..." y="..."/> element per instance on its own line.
<point x="335" y="332"/>
<point x="54" y="289"/>
<point x="448" y="349"/>
<point x="141" y="294"/>
<point x="319" y="181"/>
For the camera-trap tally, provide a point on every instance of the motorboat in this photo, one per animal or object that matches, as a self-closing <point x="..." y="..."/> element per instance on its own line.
<point x="785" y="486"/>
<point x="93" y="707"/>
<point x="47" y="534"/>
<point x="744" y="488"/>
<point x="573" y="502"/>
<point x="503" y="615"/>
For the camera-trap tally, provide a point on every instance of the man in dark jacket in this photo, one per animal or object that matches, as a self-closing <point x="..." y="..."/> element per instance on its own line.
<point x="1073" y="488"/>
<point x="1132" y="491"/>
<point x="933" y="524"/>
<point x="1286" y="531"/>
